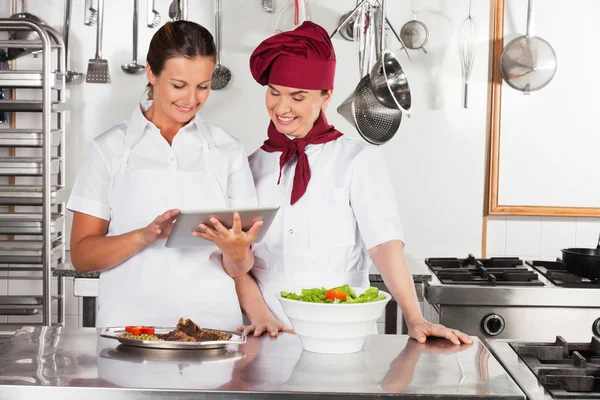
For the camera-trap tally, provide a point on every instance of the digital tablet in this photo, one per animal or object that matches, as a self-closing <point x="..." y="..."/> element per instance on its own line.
<point x="188" y="221"/>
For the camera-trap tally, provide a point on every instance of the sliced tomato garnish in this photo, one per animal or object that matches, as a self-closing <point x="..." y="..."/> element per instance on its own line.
<point x="132" y="328"/>
<point x="147" y="330"/>
<point x="335" y="294"/>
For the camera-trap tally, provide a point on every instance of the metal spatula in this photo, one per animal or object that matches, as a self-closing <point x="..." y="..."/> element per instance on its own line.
<point x="98" y="71"/>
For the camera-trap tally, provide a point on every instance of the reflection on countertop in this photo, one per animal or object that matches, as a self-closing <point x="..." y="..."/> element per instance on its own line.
<point x="39" y="358"/>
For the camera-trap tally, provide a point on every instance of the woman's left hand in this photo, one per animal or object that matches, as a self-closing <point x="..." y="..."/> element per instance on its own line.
<point x="420" y="329"/>
<point x="264" y="325"/>
<point x="234" y="243"/>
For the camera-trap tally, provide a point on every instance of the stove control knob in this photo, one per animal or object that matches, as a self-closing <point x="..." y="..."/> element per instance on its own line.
<point x="493" y="324"/>
<point x="596" y="327"/>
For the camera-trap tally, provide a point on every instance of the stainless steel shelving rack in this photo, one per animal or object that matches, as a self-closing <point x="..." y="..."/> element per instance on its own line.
<point x="34" y="241"/>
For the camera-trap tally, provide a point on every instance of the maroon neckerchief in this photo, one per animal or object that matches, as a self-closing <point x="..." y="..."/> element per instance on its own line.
<point x="320" y="133"/>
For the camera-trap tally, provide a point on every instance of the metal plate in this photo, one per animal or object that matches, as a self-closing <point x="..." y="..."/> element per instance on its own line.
<point x="26" y="166"/>
<point x="28" y="44"/>
<point x="27" y="79"/>
<point x="20" y="305"/>
<point x="113" y="332"/>
<point x="27" y="251"/>
<point x="27" y="224"/>
<point x="38" y="268"/>
<point x="27" y="137"/>
<point x="29" y="106"/>
<point x="30" y="195"/>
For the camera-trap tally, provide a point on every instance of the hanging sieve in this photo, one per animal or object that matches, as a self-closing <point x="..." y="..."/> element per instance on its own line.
<point x="414" y="34"/>
<point x="388" y="80"/>
<point x="528" y="63"/>
<point x="347" y="32"/>
<point x="375" y="122"/>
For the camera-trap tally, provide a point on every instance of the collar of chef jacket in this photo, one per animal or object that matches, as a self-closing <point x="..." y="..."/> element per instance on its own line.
<point x="137" y="123"/>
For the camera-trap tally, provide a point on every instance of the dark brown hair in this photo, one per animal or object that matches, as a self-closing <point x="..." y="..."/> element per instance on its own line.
<point x="179" y="39"/>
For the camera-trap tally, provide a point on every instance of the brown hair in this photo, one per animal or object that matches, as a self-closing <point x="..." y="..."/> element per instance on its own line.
<point x="178" y="39"/>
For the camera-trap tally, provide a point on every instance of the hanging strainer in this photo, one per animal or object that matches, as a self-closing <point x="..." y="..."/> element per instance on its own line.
<point x="375" y="122"/>
<point x="528" y="63"/>
<point x="414" y="34"/>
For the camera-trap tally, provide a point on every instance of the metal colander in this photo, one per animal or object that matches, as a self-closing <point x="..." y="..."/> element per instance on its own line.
<point x="388" y="80"/>
<point x="375" y="122"/>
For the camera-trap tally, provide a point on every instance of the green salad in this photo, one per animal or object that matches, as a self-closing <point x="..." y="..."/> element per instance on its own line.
<point x="338" y="295"/>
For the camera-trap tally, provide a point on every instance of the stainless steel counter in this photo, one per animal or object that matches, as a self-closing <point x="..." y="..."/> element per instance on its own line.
<point x="68" y="364"/>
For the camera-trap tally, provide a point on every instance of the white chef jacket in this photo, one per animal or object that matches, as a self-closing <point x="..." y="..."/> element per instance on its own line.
<point x="91" y="190"/>
<point x="322" y="240"/>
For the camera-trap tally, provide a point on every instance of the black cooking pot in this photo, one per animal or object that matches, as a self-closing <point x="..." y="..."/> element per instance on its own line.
<point x="583" y="262"/>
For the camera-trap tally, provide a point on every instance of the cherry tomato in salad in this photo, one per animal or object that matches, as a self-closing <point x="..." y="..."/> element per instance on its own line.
<point x="333" y="294"/>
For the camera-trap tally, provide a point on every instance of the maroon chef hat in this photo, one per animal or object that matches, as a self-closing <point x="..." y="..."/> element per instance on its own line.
<point x="303" y="58"/>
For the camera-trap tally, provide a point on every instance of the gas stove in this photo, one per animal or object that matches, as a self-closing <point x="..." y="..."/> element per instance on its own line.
<point x="481" y="271"/>
<point x="552" y="370"/>
<point x="558" y="276"/>
<point x="511" y="298"/>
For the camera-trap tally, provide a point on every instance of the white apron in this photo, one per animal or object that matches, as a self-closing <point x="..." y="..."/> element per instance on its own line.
<point x="159" y="285"/>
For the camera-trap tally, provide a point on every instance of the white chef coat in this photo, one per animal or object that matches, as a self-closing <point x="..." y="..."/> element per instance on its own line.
<point x="322" y="240"/>
<point x="129" y="177"/>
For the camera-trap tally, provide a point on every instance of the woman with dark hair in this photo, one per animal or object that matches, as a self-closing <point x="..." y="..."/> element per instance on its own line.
<point x="135" y="178"/>
<point x="338" y="208"/>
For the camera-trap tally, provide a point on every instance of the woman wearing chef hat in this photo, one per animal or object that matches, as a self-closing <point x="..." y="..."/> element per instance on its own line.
<point x="338" y="208"/>
<point x="138" y="174"/>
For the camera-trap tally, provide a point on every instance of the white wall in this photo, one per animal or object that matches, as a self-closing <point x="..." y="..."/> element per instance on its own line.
<point x="437" y="158"/>
<point x="437" y="151"/>
<point x="539" y="237"/>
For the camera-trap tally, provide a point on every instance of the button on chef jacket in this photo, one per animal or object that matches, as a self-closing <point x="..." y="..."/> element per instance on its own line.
<point x="322" y="240"/>
<point x="131" y="175"/>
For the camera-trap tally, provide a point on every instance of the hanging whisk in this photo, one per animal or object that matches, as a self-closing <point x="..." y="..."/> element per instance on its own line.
<point x="467" y="37"/>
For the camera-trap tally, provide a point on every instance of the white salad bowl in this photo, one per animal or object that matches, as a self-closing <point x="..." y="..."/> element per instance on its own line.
<point x="333" y="328"/>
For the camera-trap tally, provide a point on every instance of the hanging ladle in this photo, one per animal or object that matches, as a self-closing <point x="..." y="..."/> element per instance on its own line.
<point x="133" y="67"/>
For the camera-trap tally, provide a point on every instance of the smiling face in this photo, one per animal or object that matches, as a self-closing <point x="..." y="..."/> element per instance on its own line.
<point x="294" y="111"/>
<point x="180" y="90"/>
